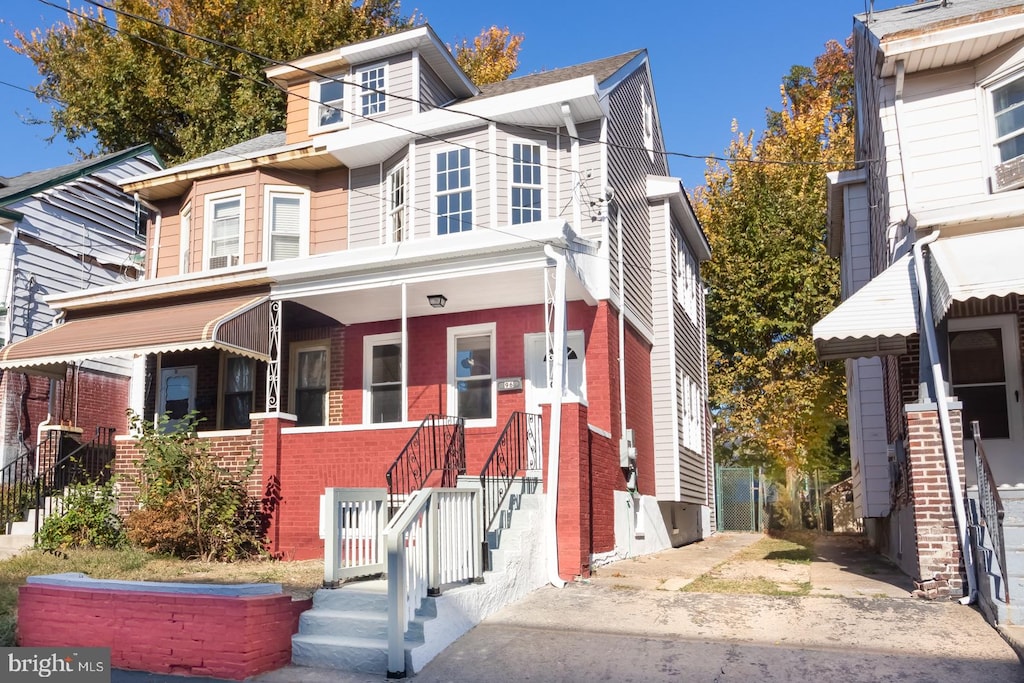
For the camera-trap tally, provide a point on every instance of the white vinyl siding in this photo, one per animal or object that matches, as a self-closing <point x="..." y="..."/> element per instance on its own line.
<point x="364" y="207"/>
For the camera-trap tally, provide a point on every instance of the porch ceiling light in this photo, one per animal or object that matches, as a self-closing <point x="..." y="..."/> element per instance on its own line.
<point x="437" y="300"/>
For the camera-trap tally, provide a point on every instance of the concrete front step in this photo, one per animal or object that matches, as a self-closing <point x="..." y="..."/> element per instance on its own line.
<point x="360" y="655"/>
<point x="355" y="624"/>
<point x="16" y="541"/>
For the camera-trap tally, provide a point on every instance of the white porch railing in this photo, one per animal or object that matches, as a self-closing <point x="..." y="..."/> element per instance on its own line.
<point x="432" y="541"/>
<point x="354" y="521"/>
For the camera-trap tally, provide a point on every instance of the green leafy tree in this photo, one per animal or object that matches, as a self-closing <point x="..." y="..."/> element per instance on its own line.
<point x="771" y="279"/>
<point x="130" y="71"/>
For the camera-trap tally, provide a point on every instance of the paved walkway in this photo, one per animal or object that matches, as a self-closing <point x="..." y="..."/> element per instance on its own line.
<point x="631" y="622"/>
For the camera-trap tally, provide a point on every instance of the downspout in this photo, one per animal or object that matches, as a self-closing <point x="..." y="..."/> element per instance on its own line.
<point x="156" y="234"/>
<point x="45" y="423"/>
<point x="939" y="389"/>
<point x="555" y="433"/>
<point x="632" y="485"/>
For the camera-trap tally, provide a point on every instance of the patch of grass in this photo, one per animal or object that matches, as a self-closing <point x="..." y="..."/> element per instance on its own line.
<point x="792" y="548"/>
<point x="709" y="583"/>
<point x="299" y="579"/>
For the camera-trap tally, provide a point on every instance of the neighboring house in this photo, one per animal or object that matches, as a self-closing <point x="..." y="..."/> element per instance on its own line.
<point x="412" y="245"/>
<point x="928" y="230"/>
<point x="66" y="229"/>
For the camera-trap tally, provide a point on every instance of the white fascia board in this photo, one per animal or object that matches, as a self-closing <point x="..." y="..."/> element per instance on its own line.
<point x="836" y="182"/>
<point x="899" y="48"/>
<point x="374" y="141"/>
<point x="239" y="276"/>
<point x="666" y="187"/>
<point x="189" y="167"/>
<point x="385" y="257"/>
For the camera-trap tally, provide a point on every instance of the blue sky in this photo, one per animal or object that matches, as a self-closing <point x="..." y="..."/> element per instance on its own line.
<point x="712" y="61"/>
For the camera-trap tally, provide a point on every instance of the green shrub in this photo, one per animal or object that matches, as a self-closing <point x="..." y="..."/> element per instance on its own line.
<point x="190" y="507"/>
<point x="84" y="517"/>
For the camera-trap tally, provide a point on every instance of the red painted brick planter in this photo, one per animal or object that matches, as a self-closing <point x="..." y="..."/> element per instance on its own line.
<point x="164" y="632"/>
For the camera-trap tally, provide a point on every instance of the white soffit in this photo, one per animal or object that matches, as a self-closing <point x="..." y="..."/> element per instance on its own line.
<point x="976" y="267"/>
<point x="875" y="321"/>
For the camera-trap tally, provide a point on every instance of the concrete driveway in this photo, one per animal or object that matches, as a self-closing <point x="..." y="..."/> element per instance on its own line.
<point x="630" y="622"/>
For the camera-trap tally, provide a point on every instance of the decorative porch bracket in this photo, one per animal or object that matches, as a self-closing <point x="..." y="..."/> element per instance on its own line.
<point x="274" y="364"/>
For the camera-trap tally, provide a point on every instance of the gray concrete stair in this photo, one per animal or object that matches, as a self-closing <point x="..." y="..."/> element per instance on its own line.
<point x="346" y="629"/>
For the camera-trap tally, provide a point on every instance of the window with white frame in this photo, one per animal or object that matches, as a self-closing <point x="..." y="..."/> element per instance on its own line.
<point x="328" y="103"/>
<point x="310" y="374"/>
<point x="693" y="410"/>
<point x="396" y="201"/>
<point x="472" y="391"/>
<point x="687" y="281"/>
<point x="238" y="381"/>
<point x="285" y="222"/>
<point x="224" y="213"/>
<point x="185" y="238"/>
<point x="372" y="81"/>
<point x="453" y="191"/>
<point x="382" y="378"/>
<point x="1008" y="109"/>
<point x="527" y="183"/>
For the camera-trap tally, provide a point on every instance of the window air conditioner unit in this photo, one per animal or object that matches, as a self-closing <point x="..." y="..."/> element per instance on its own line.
<point x="1009" y="175"/>
<point x="223" y="261"/>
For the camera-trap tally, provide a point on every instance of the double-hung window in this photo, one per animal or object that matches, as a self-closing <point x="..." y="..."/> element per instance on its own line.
<point x="382" y="378"/>
<point x="1008" y="108"/>
<point x="286" y="222"/>
<point x="327" y="107"/>
<point x="372" y="82"/>
<point x="238" y="383"/>
<point x="396" y="201"/>
<point x="527" y="183"/>
<point x="453" y="191"/>
<point x="224" y="214"/>
<point x="472" y="391"/>
<point x="310" y="372"/>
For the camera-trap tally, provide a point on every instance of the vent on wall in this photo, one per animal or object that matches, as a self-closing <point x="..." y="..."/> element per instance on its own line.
<point x="223" y="261"/>
<point x="1009" y="175"/>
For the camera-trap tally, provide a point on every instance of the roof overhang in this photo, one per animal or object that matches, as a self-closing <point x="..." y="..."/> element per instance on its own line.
<point x="236" y="324"/>
<point x="671" y="189"/>
<point x="422" y="39"/>
<point x="948" y="42"/>
<point x="374" y="141"/>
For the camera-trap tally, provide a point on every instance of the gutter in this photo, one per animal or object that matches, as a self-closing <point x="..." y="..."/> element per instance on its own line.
<point x="555" y="433"/>
<point x="948" y="446"/>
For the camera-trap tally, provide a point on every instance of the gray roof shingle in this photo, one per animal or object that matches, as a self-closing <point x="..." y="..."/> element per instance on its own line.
<point x="600" y="69"/>
<point x="934" y="15"/>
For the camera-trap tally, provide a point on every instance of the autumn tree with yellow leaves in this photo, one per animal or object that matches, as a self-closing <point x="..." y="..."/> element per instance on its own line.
<point x="770" y="278"/>
<point x="124" y="72"/>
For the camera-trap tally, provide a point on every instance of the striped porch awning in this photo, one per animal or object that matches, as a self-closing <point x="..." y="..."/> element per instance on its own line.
<point x="238" y="324"/>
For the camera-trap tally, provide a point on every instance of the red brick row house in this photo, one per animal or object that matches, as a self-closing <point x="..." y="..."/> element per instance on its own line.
<point x="415" y="245"/>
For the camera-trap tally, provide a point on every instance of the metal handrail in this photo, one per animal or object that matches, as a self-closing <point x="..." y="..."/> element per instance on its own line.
<point x="437" y="445"/>
<point x="508" y="459"/>
<point x="992" y="512"/>
<point x="18" y="486"/>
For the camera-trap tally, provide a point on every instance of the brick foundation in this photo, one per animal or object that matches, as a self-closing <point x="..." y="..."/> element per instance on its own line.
<point x="939" y="569"/>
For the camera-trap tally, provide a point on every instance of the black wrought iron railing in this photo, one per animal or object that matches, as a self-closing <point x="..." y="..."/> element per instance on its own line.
<point x="991" y="504"/>
<point x="61" y="462"/>
<point x="516" y="450"/>
<point x="436" y="450"/>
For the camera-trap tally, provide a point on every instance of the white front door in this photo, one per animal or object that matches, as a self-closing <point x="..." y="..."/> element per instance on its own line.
<point x="984" y="364"/>
<point x="177" y="394"/>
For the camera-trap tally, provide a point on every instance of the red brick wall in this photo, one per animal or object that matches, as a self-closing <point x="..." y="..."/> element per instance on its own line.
<point x="939" y="563"/>
<point x="175" y="633"/>
<point x="639" y="407"/>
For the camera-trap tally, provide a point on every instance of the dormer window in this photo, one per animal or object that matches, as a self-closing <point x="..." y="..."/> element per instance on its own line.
<point x="372" y="82"/>
<point x="328" y="102"/>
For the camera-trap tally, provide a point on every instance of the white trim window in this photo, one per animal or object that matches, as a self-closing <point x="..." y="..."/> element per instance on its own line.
<point x="238" y="382"/>
<point x="372" y="85"/>
<point x="310" y="372"/>
<point x="285" y="222"/>
<point x="1008" y="114"/>
<point x="184" y="238"/>
<point x="397" y="198"/>
<point x="327" y="103"/>
<point x="453" y="191"/>
<point x="693" y="410"/>
<point x="224" y="228"/>
<point x="527" y="182"/>
<point x="472" y="391"/>
<point x="686" y="282"/>
<point x="383" y="391"/>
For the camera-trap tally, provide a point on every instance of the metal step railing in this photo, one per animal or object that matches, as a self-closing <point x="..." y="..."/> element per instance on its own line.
<point x="516" y="450"/>
<point x="991" y="505"/>
<point x="437" y="446"/>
